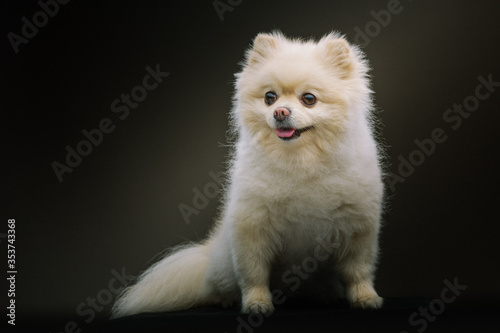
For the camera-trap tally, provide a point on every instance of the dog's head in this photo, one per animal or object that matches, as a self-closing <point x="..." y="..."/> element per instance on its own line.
<point x="293" y="95"/>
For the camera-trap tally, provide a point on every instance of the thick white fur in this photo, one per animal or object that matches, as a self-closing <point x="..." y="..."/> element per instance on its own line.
<point x="284" y="197"/>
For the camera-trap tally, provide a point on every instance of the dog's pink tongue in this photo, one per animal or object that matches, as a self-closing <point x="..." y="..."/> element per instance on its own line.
<point x="285" y="132"/>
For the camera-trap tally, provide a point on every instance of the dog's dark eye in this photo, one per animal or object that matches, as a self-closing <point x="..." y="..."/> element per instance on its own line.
<point x="270" y="97"/>
<point x="308" y="99"/>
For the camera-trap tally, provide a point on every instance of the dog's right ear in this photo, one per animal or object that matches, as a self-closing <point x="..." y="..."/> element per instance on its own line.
<point x="338" y="54"/>
<point x="263" y="44"/>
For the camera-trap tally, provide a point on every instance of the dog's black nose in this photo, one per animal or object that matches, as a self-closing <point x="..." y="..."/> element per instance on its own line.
<point x="281" y="113"/>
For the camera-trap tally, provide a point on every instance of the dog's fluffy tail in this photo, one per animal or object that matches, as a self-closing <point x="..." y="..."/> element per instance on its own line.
<point x="176" y="282"/>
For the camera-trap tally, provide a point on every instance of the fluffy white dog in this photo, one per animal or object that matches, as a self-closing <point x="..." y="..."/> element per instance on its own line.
<point x="304" y="194"/>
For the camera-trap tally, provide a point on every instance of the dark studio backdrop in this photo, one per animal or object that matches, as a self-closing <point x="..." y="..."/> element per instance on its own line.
<point x="436" y="77"/>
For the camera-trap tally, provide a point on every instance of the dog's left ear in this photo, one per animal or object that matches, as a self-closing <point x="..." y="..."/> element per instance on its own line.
<point x="263" y="44"/>
<point x="338" y="55"/>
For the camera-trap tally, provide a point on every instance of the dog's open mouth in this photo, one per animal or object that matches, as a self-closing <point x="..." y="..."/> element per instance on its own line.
<point x="291" y="133"/>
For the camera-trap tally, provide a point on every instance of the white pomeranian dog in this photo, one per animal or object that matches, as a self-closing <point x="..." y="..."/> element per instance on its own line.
<point x="301" y="211"/>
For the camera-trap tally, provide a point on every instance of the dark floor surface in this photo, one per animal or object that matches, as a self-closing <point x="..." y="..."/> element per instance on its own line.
<point x="398" y="315"/>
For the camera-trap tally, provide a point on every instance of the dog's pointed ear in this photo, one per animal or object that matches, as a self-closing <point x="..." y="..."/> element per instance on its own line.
<point x="263" y="44"/>
<point x="338" y="55"/>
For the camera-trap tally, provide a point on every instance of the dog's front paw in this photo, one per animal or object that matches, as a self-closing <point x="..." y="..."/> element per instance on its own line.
<point x="257" y="300"/>
<point x="363" y="296"/>
<point x="264" y="307"/>
<point x="368" y="302"/>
